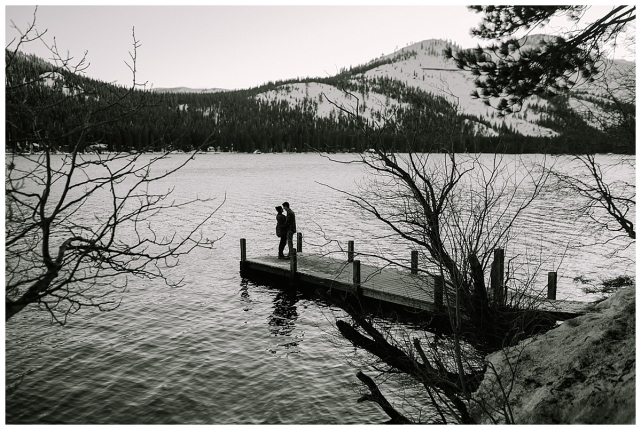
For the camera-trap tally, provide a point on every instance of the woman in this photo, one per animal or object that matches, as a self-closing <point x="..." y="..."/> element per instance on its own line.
<point x="281" y="231"/>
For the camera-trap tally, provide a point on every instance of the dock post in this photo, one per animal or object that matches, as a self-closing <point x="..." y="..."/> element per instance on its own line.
<point x="243" y="254"/>
<point x="356" y="276"/>
<point x="496" y="275"/>
<point x="439" y="285"/>
<point x="299" y="242"/>
<point x="350" y="251"/>
<point x="414" y="262"/>
<point x="552" y="285"/>
<point x="293" y="267"/>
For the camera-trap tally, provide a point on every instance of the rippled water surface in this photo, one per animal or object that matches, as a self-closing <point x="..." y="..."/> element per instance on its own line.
<point x="221" y="350"/>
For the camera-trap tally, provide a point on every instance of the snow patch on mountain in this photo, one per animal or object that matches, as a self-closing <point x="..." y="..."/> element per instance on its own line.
<point x="429" y="70"/>
<point x="325" y="100"/>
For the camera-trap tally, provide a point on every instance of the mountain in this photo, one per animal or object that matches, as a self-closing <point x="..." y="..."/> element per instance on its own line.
<point x="415" y="87"/>
<point x="423" y="66"/>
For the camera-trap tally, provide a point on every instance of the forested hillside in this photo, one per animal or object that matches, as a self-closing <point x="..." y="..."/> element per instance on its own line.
<point x="409" y="89"/>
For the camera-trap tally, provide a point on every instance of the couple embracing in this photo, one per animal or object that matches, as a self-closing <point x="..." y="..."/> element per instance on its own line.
<point x="285" y="229"/>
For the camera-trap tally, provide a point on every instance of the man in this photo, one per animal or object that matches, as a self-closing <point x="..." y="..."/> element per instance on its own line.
<point x="290" y="225"/>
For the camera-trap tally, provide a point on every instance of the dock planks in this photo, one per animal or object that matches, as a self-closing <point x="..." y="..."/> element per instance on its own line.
<point x="387" y="284"/>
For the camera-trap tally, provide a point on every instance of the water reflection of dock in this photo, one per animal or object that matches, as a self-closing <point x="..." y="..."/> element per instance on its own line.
<point x="389" y="285"/>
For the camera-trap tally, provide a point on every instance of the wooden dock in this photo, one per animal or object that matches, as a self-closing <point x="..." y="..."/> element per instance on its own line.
<point x="387" y="284"/>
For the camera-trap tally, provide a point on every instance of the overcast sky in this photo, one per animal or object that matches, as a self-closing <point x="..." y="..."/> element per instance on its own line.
<point x="231" y="47"/>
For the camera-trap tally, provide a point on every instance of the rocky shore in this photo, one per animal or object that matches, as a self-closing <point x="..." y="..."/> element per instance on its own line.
<point x="582" y="372"/>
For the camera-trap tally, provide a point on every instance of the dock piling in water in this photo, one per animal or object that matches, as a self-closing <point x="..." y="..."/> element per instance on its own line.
<point x="299" y="242"/>
<point x="552" y="285"/>
<point x="356" y="276"/>
<point x="293" y="267"/>
<point x="350" y="251"/>
<point x="439" y="286"/>
<point x="497" y="275"/>
<point x="414" y="269"/>
<point x="243" y="253"/>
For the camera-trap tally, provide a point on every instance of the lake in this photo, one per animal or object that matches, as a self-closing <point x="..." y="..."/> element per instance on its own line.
<point x="221" y="350"/>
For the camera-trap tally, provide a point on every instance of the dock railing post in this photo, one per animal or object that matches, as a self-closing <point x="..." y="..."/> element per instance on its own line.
<point x="350" y="251"/>
<point x="356" y="276"/>
<point x="293" y="267"/>
<point x="552" y="285"/>
<point x="496" y="275"/>
<point x="414" y="269"/>
<point x="243" y="253"/>
<point x="439" y="286"/>
<point x="299" y="242"/>
<point x="243" y="250"/>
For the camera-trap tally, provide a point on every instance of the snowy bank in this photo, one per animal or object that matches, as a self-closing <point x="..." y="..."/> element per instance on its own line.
<point x="583" y="371"/>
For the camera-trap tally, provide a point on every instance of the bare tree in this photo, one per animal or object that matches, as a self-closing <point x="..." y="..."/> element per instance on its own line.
<point x="608" y="203"/>
<point x="79" y="224"/>
<point x="511" y="70"/>
<point x="611" y="108"/>
<point x="455" y="210"/>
